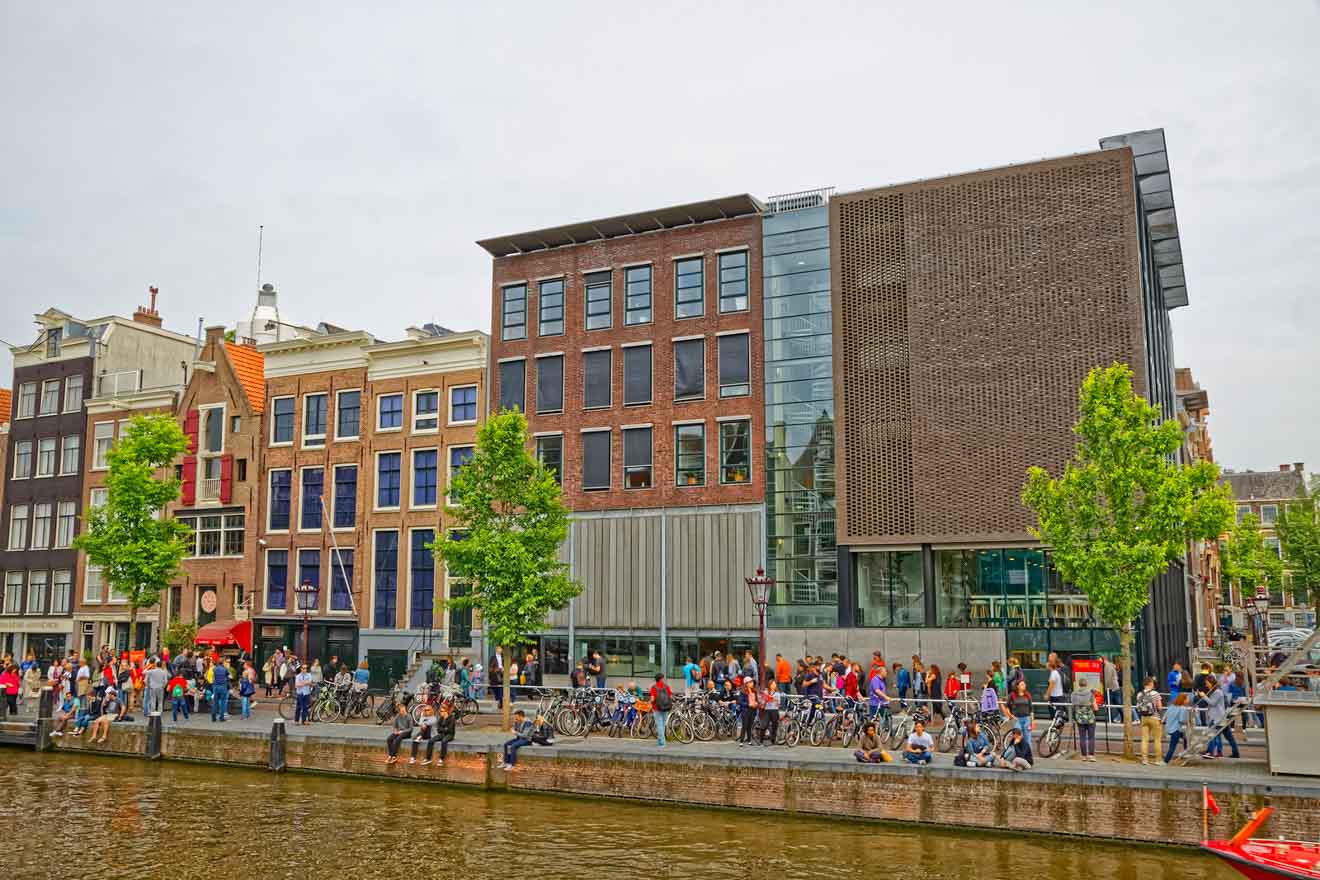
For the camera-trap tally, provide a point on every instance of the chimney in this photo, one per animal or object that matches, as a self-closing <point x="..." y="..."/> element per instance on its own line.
<point x="1285" y="468"/>
<point x="148" y="314"/>
<point x="214" y="336"/>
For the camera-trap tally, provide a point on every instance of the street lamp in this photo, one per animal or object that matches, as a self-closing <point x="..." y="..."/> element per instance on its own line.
<point x="759" y="589"/>
<point x="306" y="594"/>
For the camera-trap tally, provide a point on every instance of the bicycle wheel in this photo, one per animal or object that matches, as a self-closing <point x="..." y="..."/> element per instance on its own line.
<point x="948" y="736"/>
<point x="816" y="735"/>
<point x="288" y="707"/>
<point x="645" y="728"/>
<point x="416" y="712"/>
<point x="468" y="710"/>
<point x="790" y="733"/>
<point x="384" y="711"/>
<point x="703" y="727"/>
<point x="994" y="737"/>
<point x="1049" y="743"/>
<point x="679" y="728"/>
<point x="899" y="735"/>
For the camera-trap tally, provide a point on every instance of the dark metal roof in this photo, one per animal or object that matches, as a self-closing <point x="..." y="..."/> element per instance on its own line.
<point x="624" y="224"/>
<point x="1156" y="188"/>
<point x="1266" y="485"/>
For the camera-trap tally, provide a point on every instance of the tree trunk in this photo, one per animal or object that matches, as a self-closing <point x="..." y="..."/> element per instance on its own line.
<point x="506" y="714"/>
<point x="132" y="627"/>
<point x="1125" y="655"/>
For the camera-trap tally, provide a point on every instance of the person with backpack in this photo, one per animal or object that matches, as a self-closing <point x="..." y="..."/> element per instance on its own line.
<point x="177" y="688"/>
<point x="247" y="686"/>
<point x="1148" y="710"/>
<point x="1083" y="703"/>
<point x="662" y="701"/>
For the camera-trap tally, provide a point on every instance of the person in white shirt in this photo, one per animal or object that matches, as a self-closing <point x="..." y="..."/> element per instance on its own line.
<point x="919" y="746"/>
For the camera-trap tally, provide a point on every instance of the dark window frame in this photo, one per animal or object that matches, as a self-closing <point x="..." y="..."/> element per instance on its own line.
<point x="513" y="312"/>
<point x="644" y="470"/>
<point x="734" y="389"/>
<point x="591" y="360"/>
<point x="684" y="344"/>
<point x="628" y="352"/>
<point x="725" y="467"/>
<point x="636" y="315"/>
<point x="340" y="410"/>
<point x="680" y="470"/>
<point x="505" y="399"/>
<point x="682" y="300"/>
<point x="540" y="368"/>
<point x="592" y="284"/>
<point x="545" y="313"/>
<point x="594" y="439"/>
<point x="745" y="281"/>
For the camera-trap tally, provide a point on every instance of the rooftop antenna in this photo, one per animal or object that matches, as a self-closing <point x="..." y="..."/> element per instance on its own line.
<point x="260" y="234"/>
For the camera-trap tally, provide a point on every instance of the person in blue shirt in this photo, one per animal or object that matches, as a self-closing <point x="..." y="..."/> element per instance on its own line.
<point x="903" y="679"/>
<point x="691" y="677"/>
<point x="1174" y="680"/>
<point x="219" y="691"/>
<point x="977" y="747"/>
<point x="878" y="695"/>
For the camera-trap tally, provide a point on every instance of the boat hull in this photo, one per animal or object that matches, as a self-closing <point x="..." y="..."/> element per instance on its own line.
<point x="1268" y="859"/>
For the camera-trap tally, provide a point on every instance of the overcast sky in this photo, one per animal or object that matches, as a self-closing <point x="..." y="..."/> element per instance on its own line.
<point x="376" y="145"/>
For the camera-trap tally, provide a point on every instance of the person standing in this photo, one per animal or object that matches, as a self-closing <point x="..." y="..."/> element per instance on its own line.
<point x="662" y="701"/>
<point x="219" y="691"/>
<point x="247" y="686"/>
<point x="902" y="681"/>
<point x="748" y="705"/>
<point x="1083" y="703"/>
<point x="751" y="670"/>
<point x="302" y="686"/>
<point x="1216" y="702"/>
<point x="769" y="722"/>
<point x="177" y="688"/>
<point x="1174" y="680"/>
<point x="156" y="679"/>
<point x="1018" y="709"/>
<point x="1176" y="723"/>
<point x="691" y="677"/>
<point x="1113" y="690"/>
<point x="783" y="674"/>
<point x="9" y="686"/>
<point x="596" y="669"/>
<point x="1148" y="710"/>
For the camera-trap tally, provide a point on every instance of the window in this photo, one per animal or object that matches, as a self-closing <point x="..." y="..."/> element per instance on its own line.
<point x="27" y="400"/>
<point x="598" y="301"/>
<point x="690" y="369"/>
<point x="637" y="295"/>
<point x="387" y="479"/>
<point x="277" y="579"/>
<point x="636" y="458"/>
<point x="235" y="424"/>
<point x="462" y="404"/>
<point x="66" y="526"/>
<point x="53" y="337"/>
<point x="1243" y="510"/>
<point x="458" y="456"/>
<point x="421" y="570"/>
<point x="597" y="368"/>
<point x="735" y="364"/>
<point x="213" y="430"/>
<point x="636" y="375"/>
<point x="513" y="321"/>
<point x="426" y="411"/>
<point x="14" y="592"/>
<point x="234" y="532"/>
<point x="36" y="600"/>
<point x="314" y="419"/>
<point x="309" y="569"/>
<point x="18" y="527"/>
<point x="513" y="385"/>
<point x="552" y="308"/>
<point x="61" y="587"/>
<point x="281" y="489"/>
<point x="309" y="508"/>
<point x="341" y="580"/>
<point x="348" y="415"/>
<point x="281" y="430"/>
<point x="50" y="397"/>
<point x="46" y="455"/>
<point x="73" y="395"/>
<point x="689" y="288"/>
<point x="550" y="384"/>
<point x="1269" y="514"/>
<point x="98" y="497"/>
<point x="240" y="470"/>
<point x="733" y="282"/>
<point x="209" y="534"/>
<point x="390" y="413"/>
<point x="736" y="451"/>
<point x="386" y="574"/>
<point x="1271" y="544"/>
<point x="70" y="454"/>
<point x="690" y="453"/>
<point x="425" y="465"/>
<point x="42" y="515"/>
<point x="550" y="453"/>
<point x="595" y="460"/>
<point x="345" y="496"/>
<point x="22" y="459"/>
<point x="460" y="619"/>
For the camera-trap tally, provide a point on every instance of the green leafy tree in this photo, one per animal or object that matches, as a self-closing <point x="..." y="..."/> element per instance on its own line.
<point x="1246" y="560"/>
<point x="1298" y="528"/>
<point x="179" y="634"/>
<point x="1123" y="509"/>
<point x="137" y="551"/>
<point x="512" y="522"/>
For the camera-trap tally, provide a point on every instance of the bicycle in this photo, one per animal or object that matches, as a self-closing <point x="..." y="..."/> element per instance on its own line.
<point x="905" y="722"/>
<point x="1053" y="735"/>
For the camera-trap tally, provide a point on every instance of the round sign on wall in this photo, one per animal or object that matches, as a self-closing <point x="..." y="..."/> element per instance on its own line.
<point x="208" y="601"/>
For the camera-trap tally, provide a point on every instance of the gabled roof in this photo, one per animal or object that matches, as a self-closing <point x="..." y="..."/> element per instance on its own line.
<point x="6" y="405"/>
<point x="1266" y="485"/>
<point x="250" y="367"/>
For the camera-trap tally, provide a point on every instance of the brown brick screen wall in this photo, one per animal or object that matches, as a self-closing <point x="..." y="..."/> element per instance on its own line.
<point x="967" y="311"/>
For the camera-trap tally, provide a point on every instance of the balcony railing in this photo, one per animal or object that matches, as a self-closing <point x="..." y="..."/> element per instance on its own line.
<point x="208" y="490"/>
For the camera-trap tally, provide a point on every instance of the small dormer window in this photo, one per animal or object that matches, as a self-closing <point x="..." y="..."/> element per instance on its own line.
<point x="53" y="338"/>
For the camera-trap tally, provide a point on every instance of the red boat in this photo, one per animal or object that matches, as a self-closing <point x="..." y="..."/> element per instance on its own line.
<point x="1260" y="859"/>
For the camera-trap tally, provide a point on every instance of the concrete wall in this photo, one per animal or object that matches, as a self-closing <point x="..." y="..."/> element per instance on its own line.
<point x="947" y="647"/>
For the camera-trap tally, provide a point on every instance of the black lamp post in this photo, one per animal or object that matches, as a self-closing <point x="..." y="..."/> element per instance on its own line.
<point x="759" y="589"/>
<point x="307" y="595"/>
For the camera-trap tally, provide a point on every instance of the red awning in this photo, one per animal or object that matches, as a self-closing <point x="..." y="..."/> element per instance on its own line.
<point x="231" y="632"/>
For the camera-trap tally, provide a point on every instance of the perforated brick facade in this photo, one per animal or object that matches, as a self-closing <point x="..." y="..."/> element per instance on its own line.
<point x="967" y="311"/>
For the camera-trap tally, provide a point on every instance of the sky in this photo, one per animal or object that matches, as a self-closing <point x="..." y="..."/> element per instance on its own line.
<point x="376" y="142"/>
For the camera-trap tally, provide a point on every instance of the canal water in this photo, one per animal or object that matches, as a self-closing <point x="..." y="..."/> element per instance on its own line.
<point x="82" y="816"/>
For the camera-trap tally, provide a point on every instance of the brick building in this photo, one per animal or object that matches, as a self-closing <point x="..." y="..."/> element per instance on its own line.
<point x="1203" y="571"/>
<point x="1264" y="493"/>
<point x="633" y="343"/>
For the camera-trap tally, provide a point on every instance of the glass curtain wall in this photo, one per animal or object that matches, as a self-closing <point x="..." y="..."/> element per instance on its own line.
<point x="1013" y="587"/>
<point x="799" y="397"/>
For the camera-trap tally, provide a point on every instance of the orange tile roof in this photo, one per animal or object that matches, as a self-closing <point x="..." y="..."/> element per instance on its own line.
<point x="6" y="402"/>
<point x="250" y="365"/>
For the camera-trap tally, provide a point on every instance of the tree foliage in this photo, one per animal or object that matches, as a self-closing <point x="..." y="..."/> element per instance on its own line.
<point x="179" y="634"/>
<point x="138" y="551"/>
<point x="1298" y="528"/>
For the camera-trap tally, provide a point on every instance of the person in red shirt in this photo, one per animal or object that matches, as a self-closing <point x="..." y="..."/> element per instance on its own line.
<point x="177" y="690"/>
<point x="135" y="676"/>
<point x="850" y="684"/>
<point x="662" y="700"/>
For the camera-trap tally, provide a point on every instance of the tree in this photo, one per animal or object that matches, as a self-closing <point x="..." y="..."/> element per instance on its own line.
<point x="512" y="523"/>
<point x="1298" y="528"/>
<point x="179" y="634"/>
<point x="1246" y="559"/>
<point x="137" y="550"/>
<point x="1123" y="509"/>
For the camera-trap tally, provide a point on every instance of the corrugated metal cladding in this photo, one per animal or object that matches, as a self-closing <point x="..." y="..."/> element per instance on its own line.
<point x="617" y="559"/>
<point x="968" y="310"/>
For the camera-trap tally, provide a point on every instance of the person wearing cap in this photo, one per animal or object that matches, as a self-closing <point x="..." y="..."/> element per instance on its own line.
<point x="110" y="710"/>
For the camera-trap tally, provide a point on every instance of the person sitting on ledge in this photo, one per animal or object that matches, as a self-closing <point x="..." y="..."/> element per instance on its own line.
<point x="977" y="747"/>
<point x="425" y="734"/>
<point x="919" y="746"/>
<point x="871" y="751"/>
<point x="522" y="736"/>
<point x="543" y="734"/>
<point x="1017" y="754"/>
<point x="67" y="710"/>
<point x="402" y="727"/>
<point x="110" y="710"/>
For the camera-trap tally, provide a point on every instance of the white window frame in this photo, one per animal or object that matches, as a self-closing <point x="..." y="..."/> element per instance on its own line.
<point x="28" y="392"/>
<point x="57" y="582"/>
<point x="65" y="512"/>
<point x="375" y="479"/>
<point x="320" y="569"/>
<point x="205" y="456"/>
<point x="403" y="414"/>
<point x="32" y="592"/>
<point x="302" y="475"/>
<point x="313" y="441"/>
<point x="53" y="444"/>
<point x="334" y="497"/>
<point x="290" y="561"/>
<point x="101" y="491"/>
<point x="273" y="420"/>
<point x="413" y="418"/>
<point x="412" y="478"/>
<point x="340" y="392"/>
<point x="31" y="459"/>
<point x="101" y="462"/>
<point x="14" y="583"/>
<point x="70" y="383"/>
<point x="58" y="395"/>
<point x="65" y="442"/>
<point x="449" y="466"/>
<point x="270" y="500"/>
<point x="114" y="598"/>
<point x="1269" y="521"/>
<point x="21" y="542"/>
<point x="42" y="541"/>
<point x="476" y="404"/>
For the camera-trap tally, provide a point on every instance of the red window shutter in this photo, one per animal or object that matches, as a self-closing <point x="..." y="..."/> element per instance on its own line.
<point x="226" y="478"/>
<point x="188" y="495"/>
<point x="190" y="425"/>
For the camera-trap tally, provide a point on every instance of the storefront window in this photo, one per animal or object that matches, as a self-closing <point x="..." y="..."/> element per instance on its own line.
<point x="1014" y="588"/>
<point x="890" y="591"/>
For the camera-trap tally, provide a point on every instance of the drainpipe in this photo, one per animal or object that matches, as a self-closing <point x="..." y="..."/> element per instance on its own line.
<point x="664" y="592"/>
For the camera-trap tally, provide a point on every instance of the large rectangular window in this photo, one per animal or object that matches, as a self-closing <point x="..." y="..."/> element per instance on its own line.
<point x="234" y="533"/>
<point x="27" y="400"/>
<point x="46" y="456"/>
<point x="277" y="579"/>
<point x="309" y="569"/>
<point x="890" y="590"/>
<point x="550" y="384"/>
<point x="313" y="487"/>
<point x="348" y="415"/>
<point x="314" y="419"/>
<point x="281" y="424"/>
<point x="637" y="295"/>
<point x="636" y="458"/>
<point x="281" y="492"/>
<point x="513" y="385"/>
<point x="690" y="369"/>
<point x="386" y="575"/>
<point x="637" y="375"/>
<point x="689" y="288"/>
<point x="22" y="459"/>
<point x="73" y="394"/>
<point x="426" y="411"/>
<point x="341" y="580"/>
<point x="18" y="526"/>
<point x="595" y="460"/>
<point x="43" y="517"/>
<point x="735" y="365"/>
<point x="597" y="375"/>
<point x="213" y="429"/>
<point x="387" y="479"/>
<point x="14" y="592"/>
<point x="513" y="312"/>
<point x="733" y="282"/>
<point x="50" y="397"/>
<point x="551" y="305"/>
<point x="458" y="457"/>
<point x="60" y="589"/>
<point x="66" y="526"/>
<point x="736" y="451"/>
<point x="103" y="438"/>
<point x="690" y="454"/>
<point x="550" y="452"/>
<point x="425" y="477"/>
<point x="421" y="570"/>
<point x="71" y="454"/>
<point x="599" y="289"/>
<point x="36" y="598"/>
<point x="345" y="496"/>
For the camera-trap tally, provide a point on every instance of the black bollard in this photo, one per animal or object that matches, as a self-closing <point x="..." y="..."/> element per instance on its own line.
<point x="4" y="707"/>
<point x="153" y="736"/>
<point x="45" y="719"/>
<point x="278" y="742"/>
<point x="46" y="708"/>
